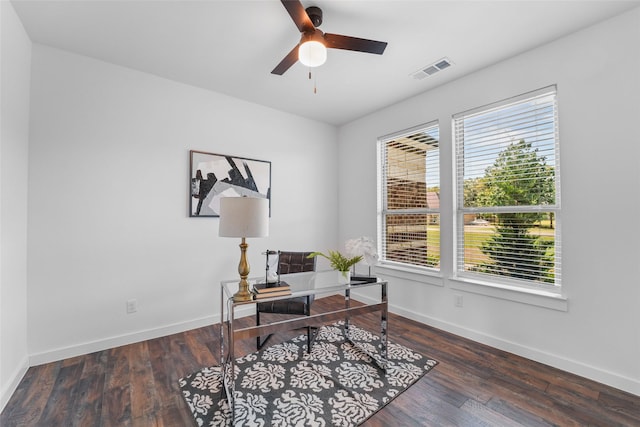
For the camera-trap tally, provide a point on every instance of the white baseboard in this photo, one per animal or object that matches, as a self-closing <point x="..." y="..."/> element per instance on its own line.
<point x="104" y="344"/>
<point x="10" y="387"/>
<point x="107" y="343"/>
<point x="629" y="385"/>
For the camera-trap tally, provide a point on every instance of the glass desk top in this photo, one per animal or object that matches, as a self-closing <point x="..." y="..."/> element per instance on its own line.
<point x="301" y="284"/>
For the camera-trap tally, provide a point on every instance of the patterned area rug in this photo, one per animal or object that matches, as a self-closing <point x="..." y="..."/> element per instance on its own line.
<point x="336" y="384"/>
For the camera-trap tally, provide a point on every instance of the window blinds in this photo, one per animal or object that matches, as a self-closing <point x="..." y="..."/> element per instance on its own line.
<point x="508" y="189"/>
<point x="410" y="187"/>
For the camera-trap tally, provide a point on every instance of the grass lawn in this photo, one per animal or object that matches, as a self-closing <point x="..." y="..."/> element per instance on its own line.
<point x="474" y="237"/>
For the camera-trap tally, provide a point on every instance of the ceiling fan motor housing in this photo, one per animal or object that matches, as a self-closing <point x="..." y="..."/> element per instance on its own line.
<point x="315" y="14"/>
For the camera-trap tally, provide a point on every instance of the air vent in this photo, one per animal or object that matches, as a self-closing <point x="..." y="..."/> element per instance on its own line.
<point x="432" y="69"/>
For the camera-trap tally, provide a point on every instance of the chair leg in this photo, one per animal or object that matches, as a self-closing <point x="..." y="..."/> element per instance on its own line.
<point x="258" y="324"/>
<point x="259" y="343"/>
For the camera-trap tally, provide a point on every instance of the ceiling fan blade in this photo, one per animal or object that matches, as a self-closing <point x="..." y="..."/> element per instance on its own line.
<point x="287" y="62"/>
<point x="336" y="41"/>
<point x="299" y="15"/>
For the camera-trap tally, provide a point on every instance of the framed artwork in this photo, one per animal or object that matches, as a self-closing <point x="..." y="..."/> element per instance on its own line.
<point x="214" y="176"/>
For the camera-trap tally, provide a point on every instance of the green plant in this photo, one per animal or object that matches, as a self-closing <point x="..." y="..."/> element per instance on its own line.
<point x="337" y="260"/>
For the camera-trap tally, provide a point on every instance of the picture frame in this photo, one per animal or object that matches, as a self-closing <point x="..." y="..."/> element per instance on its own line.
<point x="214" y="176"/>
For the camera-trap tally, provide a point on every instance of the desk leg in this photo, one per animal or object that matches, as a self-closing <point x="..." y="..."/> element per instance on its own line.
<point x="232" y="362"/>
<point x="380" y="356"/>
<point x="227" y="359"/>
<point x="383" y="325"/>
<point x="222" y="323"/>
<point x="347" y="318"/>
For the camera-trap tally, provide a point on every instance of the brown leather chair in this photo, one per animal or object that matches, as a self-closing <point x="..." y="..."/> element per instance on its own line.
<point x="289" y="262"/>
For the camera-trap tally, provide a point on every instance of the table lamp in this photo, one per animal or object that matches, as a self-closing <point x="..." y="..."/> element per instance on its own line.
<point x="243" y="217"/>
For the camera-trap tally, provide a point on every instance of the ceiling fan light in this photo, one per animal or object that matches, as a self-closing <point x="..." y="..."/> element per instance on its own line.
<point x="312" y="53"/>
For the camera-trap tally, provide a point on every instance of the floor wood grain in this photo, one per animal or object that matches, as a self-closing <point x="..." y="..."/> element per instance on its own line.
<point x="473" y="385"/>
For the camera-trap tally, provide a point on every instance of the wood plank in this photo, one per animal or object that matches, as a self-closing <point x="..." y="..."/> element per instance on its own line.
<point x="165" y="375"/>
<point x="620" y="405"/>
<point x="196" y="339"/>
<point x="87" y="409"/>
<point x="31" y="396"/>
<point x="116" y="407"/>
<point x="488" y="416"/>
<point x="465" y="382"/>
<point x="116" y="401"/>
<point x="144" y="399"/>
<point x="512" y="411"/>
<point x="62" y="396"/>
<point x="532" y="401"/>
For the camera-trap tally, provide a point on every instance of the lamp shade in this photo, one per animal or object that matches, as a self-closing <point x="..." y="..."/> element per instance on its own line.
<point x="244" y="217"/>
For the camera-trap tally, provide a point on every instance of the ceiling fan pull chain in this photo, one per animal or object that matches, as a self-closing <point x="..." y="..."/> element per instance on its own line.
<point x="315" y="89"/>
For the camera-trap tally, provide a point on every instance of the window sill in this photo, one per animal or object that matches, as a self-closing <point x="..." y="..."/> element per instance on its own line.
<point x="536" y="297"/>
<point x="422" y="275"/>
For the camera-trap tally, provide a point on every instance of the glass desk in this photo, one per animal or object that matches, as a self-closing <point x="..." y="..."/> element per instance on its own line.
<point x="302" y="284"/>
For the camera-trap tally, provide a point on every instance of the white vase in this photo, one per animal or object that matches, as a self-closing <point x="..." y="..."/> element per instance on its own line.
<point x="344" y="277"/>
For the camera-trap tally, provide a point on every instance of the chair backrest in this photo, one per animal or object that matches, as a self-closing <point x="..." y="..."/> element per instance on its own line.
<point x="295" y="262"/>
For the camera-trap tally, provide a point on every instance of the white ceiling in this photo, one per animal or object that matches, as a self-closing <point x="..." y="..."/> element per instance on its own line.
<point x="232" y="46"/>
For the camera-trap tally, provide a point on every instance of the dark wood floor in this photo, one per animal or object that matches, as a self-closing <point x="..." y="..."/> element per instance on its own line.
<point x="473" y="385"/>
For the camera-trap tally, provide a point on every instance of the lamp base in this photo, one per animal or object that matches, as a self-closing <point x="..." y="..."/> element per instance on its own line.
<point x="243" y="293"/>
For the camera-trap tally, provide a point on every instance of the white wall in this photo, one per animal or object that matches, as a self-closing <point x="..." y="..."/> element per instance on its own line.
<point x="108" y="201"/>
<point x="597" y="74"/>
<point x="14" y="88"/>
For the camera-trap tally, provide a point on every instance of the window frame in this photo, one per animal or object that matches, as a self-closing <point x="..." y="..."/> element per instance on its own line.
<point x="382" y="202"/>
<point x="461" y="274"/>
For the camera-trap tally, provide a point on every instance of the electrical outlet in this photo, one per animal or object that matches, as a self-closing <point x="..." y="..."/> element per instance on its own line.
<point x="132" y="306"/>
<point x="457" y="300"/>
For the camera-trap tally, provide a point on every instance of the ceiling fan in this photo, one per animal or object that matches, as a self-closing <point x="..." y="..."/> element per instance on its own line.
<point x="312" y="49"/>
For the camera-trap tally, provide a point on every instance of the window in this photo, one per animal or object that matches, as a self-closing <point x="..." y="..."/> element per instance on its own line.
<point x="409" y="197"/>
<point x="508" y="198"/>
